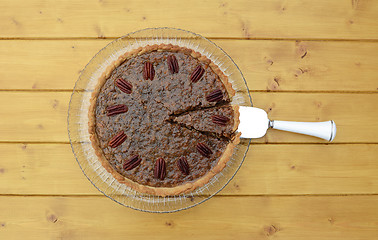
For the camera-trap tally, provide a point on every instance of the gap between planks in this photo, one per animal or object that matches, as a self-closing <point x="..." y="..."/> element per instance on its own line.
<point x="251" y="91"/>
<point x="215" y="196"/>
<point x="210" y="38"/>
<point x="252" y="143"/>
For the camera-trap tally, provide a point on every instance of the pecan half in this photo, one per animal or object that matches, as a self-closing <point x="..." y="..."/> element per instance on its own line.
<point x="160" y="169"/>
<point x="215" y="96"/>
<point x="124" y="85"/>
<point x="183" y="165"/>
<point x="173" y="64"/>
<point x="116" y="109"/>
<point x="197" y="74"/>
<point x="148" y="71"/>
<point x="204" y="150"/>
<point x="220" y="120"/>
<point x="117" y="139"/>
<point x="132" y="162"/>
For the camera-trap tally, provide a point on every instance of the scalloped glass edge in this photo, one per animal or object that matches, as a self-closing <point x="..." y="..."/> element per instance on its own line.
<point x="78" y="120"/>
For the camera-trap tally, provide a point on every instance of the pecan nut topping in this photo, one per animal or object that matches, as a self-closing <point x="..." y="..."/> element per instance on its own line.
<point x="183" y="165"/>
<point x="197" y="74"/>
<point x="173" y="64"/>
<point x="148" y="71"/>
<point x="124" y="85"/>
<point x="215" y="96"/>
<point x="204" y="150"/>
<point x="160" y="169"/>
<point x="132" y="163"/>
<point x="116" y="109"/>
<point x="117" y="139"/>
<point x="220" y="120"/>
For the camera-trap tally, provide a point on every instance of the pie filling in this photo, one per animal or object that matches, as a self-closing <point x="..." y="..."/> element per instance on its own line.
<point x="163" y="118"/>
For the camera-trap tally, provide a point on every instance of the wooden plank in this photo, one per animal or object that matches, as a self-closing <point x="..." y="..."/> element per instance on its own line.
<point x="42" y="116"/>
<point x="307" y="65"/>
<point x="267" y="170"/>
<point x="242" y="18"/>
<point x="266" y="65"/>
<point x="41" y="169"/>
<point x="347" y="110"/>
<point x="45" y="64"/>
<point x="308" y="169"/>
<point x="34" y="116"/>
<point x="244" y="218"/>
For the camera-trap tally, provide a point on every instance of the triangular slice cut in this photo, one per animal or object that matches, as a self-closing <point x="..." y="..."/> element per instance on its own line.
<point x="220" y="120"/>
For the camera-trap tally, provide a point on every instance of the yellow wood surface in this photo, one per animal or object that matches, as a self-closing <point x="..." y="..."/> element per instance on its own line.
<point x="303" y="217"/>
<point x="342" y="19"/>
<point x="269" y="169"/>
<point x="303" y="60"/>
<point x="266" y="64"/>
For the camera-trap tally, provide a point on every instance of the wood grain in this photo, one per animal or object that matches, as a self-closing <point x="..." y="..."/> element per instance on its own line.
<point x="343" y="19"/>
<point x="51" y="169"/>
<point x="266" y="64"/>
<point x="42" y="116"/>
<point x="349" y="111"/>
<point x="38" y="116"/>
<point x="243" y="218"/>
<point x="303" y="60"/>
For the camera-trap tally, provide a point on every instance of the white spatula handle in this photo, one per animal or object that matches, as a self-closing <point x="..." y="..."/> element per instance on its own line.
<point x="325" y="130"/>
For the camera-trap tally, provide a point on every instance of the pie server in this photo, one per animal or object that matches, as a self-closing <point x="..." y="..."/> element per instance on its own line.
<point x="254" y="123"/>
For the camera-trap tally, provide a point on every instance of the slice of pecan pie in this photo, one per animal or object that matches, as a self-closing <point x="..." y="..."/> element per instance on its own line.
<point x="221" y="121"/>
<point x="160" y="120"/>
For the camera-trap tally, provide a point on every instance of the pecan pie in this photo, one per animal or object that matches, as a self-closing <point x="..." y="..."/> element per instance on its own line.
<point x="161" y="121"/>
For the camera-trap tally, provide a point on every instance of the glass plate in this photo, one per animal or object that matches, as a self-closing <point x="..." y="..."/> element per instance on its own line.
<point x="78" y="120"/>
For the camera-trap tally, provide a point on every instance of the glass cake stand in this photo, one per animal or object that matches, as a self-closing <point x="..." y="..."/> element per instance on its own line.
<point x="78" y="120"/>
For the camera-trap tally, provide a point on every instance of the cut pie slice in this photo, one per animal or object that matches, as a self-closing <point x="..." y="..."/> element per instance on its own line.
<point x="220" y="120"/>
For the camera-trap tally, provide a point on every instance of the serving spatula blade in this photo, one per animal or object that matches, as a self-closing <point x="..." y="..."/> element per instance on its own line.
<point x="254" y="123"/>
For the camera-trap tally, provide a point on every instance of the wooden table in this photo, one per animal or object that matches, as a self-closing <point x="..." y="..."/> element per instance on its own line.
<point x="303" y="60"/>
